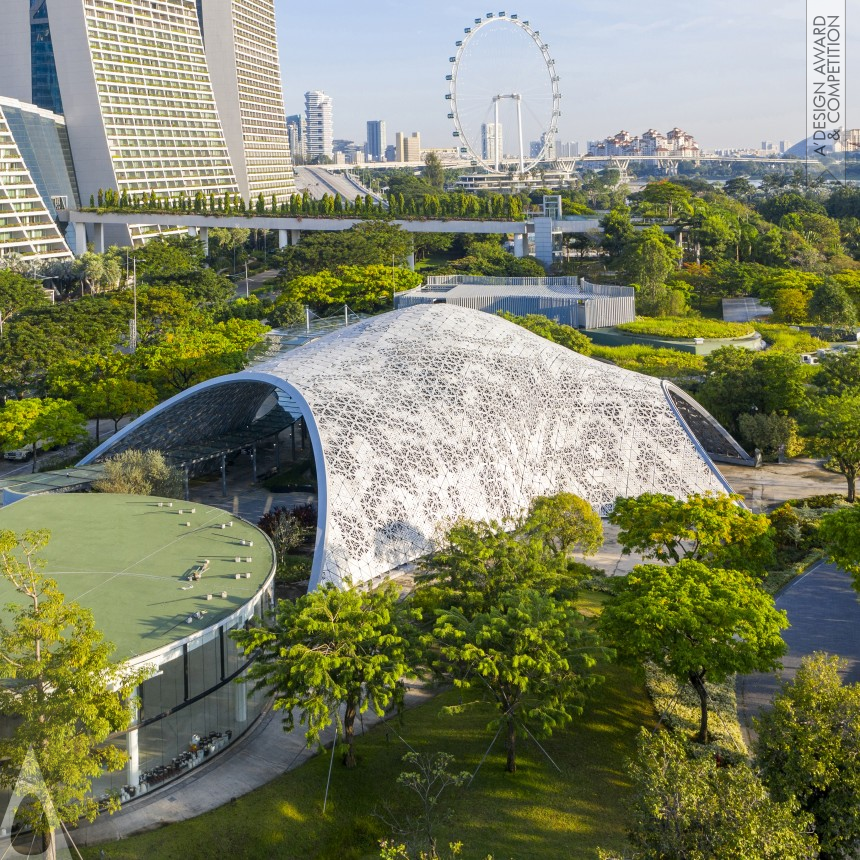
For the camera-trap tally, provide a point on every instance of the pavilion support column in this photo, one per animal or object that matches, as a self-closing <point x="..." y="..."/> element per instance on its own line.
<point x="241" y="702"/>
<point x="283" y="238"/>
<point x="186" y="477"/>
<point x="293" y="439"/>
<point x="295" y="237"/>
<point x="132" y="769"/>
<point x="254" y="464"/>
<point x="203" y="236"/>
<point x="99" y="238"/>
<point x="278" y="454"/>
<point x="80" y="238"/>
<point x="303" y="433"/>
<point x="223" y="474"/>
<point x="520" y="245"/>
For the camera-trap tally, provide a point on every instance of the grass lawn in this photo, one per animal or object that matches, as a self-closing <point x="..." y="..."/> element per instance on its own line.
<point x="535" y="813"/>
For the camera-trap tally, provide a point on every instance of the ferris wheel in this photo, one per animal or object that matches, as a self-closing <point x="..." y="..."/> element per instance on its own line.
<point x="504" y="94"/>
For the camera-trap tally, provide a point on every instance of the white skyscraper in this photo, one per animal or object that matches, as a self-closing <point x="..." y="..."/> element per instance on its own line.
<point x="319" y="132"/>
<point x="492" y="142"/>
<point x="242" y="53"/>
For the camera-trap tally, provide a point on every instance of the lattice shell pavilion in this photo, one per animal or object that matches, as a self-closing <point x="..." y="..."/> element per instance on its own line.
<point x="428" y="414"/>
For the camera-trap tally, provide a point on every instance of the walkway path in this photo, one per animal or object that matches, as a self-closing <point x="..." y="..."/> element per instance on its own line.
<point x="824" y="613"/>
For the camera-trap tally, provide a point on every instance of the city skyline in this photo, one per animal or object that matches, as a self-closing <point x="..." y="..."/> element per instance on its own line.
<point x="632" y="68"/>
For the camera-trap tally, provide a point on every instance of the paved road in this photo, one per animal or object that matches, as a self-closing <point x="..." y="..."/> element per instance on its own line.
<point x="824" y="613"/>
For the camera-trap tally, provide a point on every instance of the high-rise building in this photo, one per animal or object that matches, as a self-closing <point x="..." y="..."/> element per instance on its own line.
<point x="35" y="178"/>
<point x="242" y="53"/>
<point x="134" y="87"/>
<point x="296" y="135"/>
<point x="407" y="148"/>
<point x="376" y="141"/>
<point x="492" y="142"/>
<point x="319" y="126"/>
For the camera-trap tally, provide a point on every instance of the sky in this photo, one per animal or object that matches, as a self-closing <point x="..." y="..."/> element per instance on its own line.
<point x="730" y="72"/>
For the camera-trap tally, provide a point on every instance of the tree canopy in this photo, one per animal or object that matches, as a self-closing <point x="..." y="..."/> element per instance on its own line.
<point x="331" y="649"/>
<point x="695" y="622"/>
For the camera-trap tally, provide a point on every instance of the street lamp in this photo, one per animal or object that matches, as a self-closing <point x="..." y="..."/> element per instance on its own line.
<point x="246" y="279"/>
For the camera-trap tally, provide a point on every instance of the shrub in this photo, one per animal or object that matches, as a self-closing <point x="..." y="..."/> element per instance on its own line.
<point x="786" y="339"/>
<point x="769" y="432"/>
<point x="651" y="360"/>
<point x="141" y="473"/>
<point x="686" y="327"/>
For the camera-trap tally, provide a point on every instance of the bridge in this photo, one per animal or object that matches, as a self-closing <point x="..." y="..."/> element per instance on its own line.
<point x="290" y="229"/>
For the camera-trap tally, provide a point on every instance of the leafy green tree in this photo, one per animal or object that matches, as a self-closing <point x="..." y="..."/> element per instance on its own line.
<point x="686" y="806"/>
<point x="669" y="197"/>
<point x="98" y="271"/>
<point x="434" y="172"/>
<point x="808" y="748"/>
<point x="738" y="381"/>
<point x="839" y="531"/>
<point x="740" y="188"/>
<point x="116" y="398"/>
<point x="530" y="655"/>
<point x="648" y="258"/>
<point x="709" y="528"/>
<point x="564" y="523"/>
<point x="479" y="561"/>
<point x="831" y="427"/>
<point x="17" y="293"/>
<point x="334" y="649"/>
<point x="61" y="693"/>
<point x="617" y="231"/>
<point x="830" y="306"/>
<point x="140" y="473"/>
<point x="24" y="423"/>
<point x="839" y="373"/>
<point x="791" y="306"/>
<point x="166" y="258"/>
<point x="695" y="623"/>
<point x="770" y="433"/>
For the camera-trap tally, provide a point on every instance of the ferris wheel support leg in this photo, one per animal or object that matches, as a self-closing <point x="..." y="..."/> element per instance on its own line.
<point x="520" y="129"/>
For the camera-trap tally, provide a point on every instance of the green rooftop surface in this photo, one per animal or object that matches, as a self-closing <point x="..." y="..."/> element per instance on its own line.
<point x="129" y="561"/>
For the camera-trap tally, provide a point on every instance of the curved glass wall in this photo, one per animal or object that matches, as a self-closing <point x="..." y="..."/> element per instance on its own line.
<point x="192" y="708"/>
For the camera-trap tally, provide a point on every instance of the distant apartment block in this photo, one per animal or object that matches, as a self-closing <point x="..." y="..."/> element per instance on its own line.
<point x="650" y="142"/>
<point x="35" y="179"/>
<point x="296" y="136"/>
<point x="407" y="148"/>
<point x="376" y="140"/>
<point x="241" y="46"/>
<point x="492" y="141"/>
<point x="319" y="126"/>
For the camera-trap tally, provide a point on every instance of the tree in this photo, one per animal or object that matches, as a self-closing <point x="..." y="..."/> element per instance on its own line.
<point x="115" y="398"/>
<point x="140" y="473"/>
<point x="334" y="649"/>
<point x="839" y="373"/>
<point x="28" y="422"/>
<point x="17" y="293"/>
<point x="669" y="196"/>
<point x="60" y="690"/>
<point x="686" y="806"/>
<point x="564" y="523"/>
<point x="648" y="258"/>
<point x="791" y="306"/>
<point x="434" y="173"/>
<point x="770" y="432"/>
<point x="529" y="654"/>
<point x="714" y="529"/>
<point x="428" y="780"/>
<point x="808" y="748"/>
<point x="830" y="306"/>
<point x="839" y="531"/>
<point x="617" y="231"/>
<point x="695" y="622"/>
<point x="831" y="426"/>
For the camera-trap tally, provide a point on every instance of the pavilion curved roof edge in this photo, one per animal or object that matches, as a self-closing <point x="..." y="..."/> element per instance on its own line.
<point x="425" y="415"/>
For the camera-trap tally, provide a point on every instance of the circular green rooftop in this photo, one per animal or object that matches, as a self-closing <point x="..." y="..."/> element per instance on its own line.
<point x="144" y="565"/>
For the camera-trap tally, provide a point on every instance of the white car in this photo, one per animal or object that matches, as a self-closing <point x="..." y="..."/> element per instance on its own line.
<point x="20" y="454"/>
